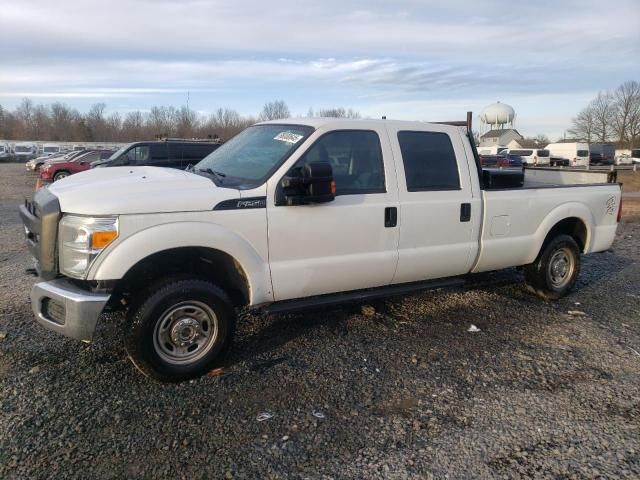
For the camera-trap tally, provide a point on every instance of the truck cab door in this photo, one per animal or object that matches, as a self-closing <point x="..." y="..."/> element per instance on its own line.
<point x="349" y="243"/>
<point x="440" y="203"/>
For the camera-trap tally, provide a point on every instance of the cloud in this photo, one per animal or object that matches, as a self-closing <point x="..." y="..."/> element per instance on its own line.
<point x="402" y="56"/>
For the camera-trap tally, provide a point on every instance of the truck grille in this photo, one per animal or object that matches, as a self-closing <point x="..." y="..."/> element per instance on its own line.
<point x="40" y="218"/>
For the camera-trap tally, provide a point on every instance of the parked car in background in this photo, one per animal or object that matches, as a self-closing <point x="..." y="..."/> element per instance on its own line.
<point x="56" y="170"/>
<point x="531" y="156"/>
<point x="513" y="160"/>
<point x="624" y="159"/>
<point x="25" y="151"/>
<point x="491" y="150"/>
<point x="164" y="153"/>
<point x="36" y="163"/>
<point x="635" y="155"/>
<point x="77" y="148"/>
<point x="501" y="160"/>
<point x="576" y="153"/>
<point x="49" y="149"/>
<point x="5" y="152"/>
<point x="602" y="154"/>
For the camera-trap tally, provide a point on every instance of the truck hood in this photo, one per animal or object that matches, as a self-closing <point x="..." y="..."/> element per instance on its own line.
<point x="128" y="190"/>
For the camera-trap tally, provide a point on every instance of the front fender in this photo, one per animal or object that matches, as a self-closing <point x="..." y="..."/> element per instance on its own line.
<point x="124" y="253"/>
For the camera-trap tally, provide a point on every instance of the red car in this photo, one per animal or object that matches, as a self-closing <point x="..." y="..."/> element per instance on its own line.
<point x="55" y="170"/>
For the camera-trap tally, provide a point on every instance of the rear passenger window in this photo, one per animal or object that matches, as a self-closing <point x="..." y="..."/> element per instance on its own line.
<point x="159" y="153"/>
<point x="429" y="161"/>
<point x="355" y="157"/>
<point x="194" y="153"/>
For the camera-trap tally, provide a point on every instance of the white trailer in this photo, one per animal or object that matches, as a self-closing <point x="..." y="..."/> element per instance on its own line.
<point x="576" y="153"/>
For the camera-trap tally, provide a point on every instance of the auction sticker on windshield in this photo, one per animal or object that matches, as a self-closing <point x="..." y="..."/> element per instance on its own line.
<point x="288" y="137"/>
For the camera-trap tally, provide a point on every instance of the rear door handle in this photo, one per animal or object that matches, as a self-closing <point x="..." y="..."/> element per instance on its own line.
<point x="390" y="217"/>
<point x="465" y="212"/>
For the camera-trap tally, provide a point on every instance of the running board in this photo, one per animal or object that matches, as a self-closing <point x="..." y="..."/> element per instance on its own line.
<point x="332" y="299"/>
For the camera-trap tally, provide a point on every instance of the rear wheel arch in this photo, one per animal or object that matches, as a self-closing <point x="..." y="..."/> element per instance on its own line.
<point x="574" y="227"/>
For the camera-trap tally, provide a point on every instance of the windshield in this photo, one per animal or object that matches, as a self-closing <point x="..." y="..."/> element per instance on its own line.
<point x="248" y="159"/>
<point x="119" y="152"/>
<point x="635" y="153"/>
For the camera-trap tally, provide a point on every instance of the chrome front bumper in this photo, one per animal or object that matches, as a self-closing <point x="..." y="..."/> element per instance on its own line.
<point x="61" y="306"/>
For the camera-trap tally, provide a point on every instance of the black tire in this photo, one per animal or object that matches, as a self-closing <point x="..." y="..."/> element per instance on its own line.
<point x="143" y="335"/>
<point x="544" y="276"/>
<point x="60" y="174"/>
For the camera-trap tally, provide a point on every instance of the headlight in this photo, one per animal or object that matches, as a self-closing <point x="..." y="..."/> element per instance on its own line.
<point x="81" y="240"/>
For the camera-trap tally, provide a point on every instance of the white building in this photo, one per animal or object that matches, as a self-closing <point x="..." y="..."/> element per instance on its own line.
<point x="499" y="137"/>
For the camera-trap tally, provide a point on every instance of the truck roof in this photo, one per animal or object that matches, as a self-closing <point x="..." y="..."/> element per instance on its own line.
<point x="318" y="122"/>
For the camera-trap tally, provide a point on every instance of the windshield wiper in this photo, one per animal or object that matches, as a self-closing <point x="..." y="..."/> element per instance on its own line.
<point x="218" y="175"/>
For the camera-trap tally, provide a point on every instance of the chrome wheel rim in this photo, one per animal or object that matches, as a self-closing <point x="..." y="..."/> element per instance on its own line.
<point x="561" y="267"/>
<point x="185" y="332"/>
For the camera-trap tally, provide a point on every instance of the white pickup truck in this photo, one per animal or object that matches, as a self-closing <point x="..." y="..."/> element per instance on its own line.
<point x="296" y="213"/>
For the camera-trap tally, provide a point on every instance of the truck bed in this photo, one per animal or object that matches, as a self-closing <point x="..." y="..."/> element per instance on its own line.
<point x="516" y="219"/>
<point x="497" y="179"/>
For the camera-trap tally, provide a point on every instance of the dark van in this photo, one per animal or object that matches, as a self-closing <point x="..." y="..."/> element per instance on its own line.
<point x="164" y="153"/>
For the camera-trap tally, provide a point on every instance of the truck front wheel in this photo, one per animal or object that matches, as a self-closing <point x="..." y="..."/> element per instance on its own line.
<point x="179" y="329"/>
<point x="555" y="271"/>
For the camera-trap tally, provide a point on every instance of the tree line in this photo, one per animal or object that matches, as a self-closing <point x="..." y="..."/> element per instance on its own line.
<point x="613" y="116"/>
<point x="59" y="122"/>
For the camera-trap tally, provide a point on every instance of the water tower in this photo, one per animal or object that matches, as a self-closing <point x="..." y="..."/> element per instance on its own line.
<point x="497" y="116"/>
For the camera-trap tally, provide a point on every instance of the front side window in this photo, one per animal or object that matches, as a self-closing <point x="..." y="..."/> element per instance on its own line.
<point x="429" y="161"/>
<point x="355" y="157"/>
<point x="543" y="153"/>
<point x="522" y="153"/>
<point x="583" y="153"/>
<point x="250" y="157"/>
<point x="138" y="155"/>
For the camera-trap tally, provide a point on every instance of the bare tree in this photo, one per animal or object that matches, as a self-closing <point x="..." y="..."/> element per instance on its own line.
<point x="96" y="122"/>
<point x="62" y="121"/>
<point x="541" y="140"/>
<point x="625" y="101"/>
<point x="133" y="126"/>
<point x="113" y="127"/>
<point x="275" y="110"/>
<point x="24" y="117"/>
<point x="186" y="122"/>
<point x="584" y="124"/>
<point x="338" y="112"/>
<point x="161" y="121"/>
<point x="603" y="113"/>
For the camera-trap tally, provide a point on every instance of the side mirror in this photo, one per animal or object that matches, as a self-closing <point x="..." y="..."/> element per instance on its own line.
<point x="314" y="184"/>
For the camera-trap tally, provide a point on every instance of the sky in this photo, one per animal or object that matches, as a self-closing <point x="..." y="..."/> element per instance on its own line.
<point x="406" y="59"/>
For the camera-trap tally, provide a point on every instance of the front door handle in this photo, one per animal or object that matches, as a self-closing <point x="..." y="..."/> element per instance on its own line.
<point x="390" y="217"/>
<point x="465" y="212"/>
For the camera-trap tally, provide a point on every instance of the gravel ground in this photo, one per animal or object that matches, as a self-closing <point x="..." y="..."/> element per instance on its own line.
<point x="402" y="391"/>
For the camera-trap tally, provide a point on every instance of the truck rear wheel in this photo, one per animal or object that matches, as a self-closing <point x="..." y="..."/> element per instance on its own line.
<point x="179" y="329"/>
<point x="555" y="271"/>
